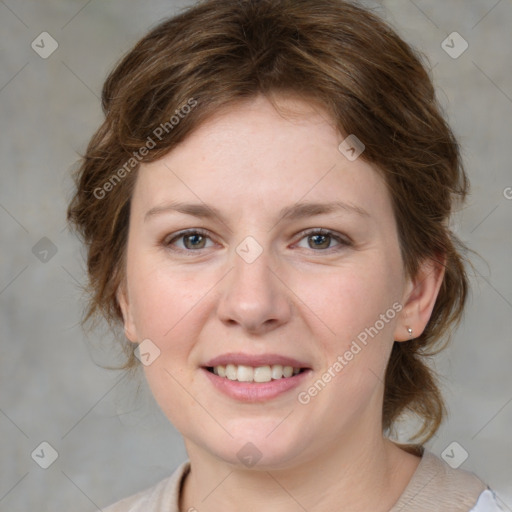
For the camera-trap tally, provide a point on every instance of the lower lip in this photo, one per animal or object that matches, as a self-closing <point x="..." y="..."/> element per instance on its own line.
<point x="256" y="391"/>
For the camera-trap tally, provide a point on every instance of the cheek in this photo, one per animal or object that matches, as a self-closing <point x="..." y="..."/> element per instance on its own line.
<point x="354" y="341"/>
<point x="164" y="301"/>
<point x="355" y="317"/>
<point x="168" y="309"/>
<point x="346" y="301"/>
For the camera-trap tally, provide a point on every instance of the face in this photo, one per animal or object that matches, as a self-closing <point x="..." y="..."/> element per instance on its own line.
<point x="247" y="279"/>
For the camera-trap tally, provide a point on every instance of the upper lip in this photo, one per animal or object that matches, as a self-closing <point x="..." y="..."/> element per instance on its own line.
<point x="255" y="360"/>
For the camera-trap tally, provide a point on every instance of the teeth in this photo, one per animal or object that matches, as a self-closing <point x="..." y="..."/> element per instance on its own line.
<point x="243" y="373"/>
<point x="287" y="371"/>
<point x="277" y="371"/>
<point x="261" y="373"/>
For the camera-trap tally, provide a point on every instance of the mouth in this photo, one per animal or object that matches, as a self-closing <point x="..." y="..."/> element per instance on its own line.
<point x="255" y="384"/>
<point x="255" y="374"/>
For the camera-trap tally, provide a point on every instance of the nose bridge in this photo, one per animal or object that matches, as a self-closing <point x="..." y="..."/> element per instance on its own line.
<point x="253" y="296"/>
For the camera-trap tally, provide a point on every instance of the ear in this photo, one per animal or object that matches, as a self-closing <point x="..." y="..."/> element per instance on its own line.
<point x="419" y="298"/>
<point x="124" y="304"/>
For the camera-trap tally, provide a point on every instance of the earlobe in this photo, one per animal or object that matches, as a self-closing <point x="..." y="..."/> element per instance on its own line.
<point x="124" y="304"/>
<point x="420" y="298"/>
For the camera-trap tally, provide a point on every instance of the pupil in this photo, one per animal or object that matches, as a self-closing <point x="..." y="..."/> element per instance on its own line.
<point x="195" y="237"/>
<point x="324" y="237"/>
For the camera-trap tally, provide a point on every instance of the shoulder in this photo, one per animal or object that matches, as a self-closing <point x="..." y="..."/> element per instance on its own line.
<point x="163" y="496"/>
<point x="437" y="486"/>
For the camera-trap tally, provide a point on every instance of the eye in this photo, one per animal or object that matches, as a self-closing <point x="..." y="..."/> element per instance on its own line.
<point x="322" y="238"/>
<point x="192" y="239"/>
<point x="195" y="239"/>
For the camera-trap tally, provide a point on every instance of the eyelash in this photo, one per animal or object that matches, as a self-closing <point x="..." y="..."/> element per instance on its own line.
<point x="343" y="241"/>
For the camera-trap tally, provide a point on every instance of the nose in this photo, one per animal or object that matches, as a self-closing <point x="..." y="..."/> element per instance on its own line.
<point x="253" y="296"/>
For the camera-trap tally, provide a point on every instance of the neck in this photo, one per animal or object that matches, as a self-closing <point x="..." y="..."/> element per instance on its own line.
<point x="361" y="475"/>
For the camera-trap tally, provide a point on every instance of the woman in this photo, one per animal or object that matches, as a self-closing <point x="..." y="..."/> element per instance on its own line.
<point x="265" y="209"/>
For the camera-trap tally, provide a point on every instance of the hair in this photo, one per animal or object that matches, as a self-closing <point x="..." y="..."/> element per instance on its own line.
<point x="332" y="53"/>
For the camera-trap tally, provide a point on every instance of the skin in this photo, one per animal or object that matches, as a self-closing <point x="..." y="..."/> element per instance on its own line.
<point x="295" y="299"/>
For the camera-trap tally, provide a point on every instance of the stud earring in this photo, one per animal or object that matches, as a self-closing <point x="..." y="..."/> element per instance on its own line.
<point x="409" y="330"/>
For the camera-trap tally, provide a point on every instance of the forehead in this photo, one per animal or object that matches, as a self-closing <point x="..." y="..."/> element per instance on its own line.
<point x="250" y="157"/>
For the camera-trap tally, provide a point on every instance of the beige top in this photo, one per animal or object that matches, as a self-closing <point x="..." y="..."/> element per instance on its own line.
<point x="434" y="486"/>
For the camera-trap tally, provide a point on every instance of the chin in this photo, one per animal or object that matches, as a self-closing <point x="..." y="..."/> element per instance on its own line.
<point x="259" y="446"/>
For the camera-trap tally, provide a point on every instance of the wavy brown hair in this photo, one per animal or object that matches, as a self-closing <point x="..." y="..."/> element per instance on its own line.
<point x="330" y="52"/>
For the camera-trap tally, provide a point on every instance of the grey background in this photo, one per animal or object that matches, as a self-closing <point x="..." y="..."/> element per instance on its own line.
<point x="111" y="438"/>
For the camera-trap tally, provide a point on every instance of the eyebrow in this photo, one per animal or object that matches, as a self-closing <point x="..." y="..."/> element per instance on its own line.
<point x="296" y="211"/>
